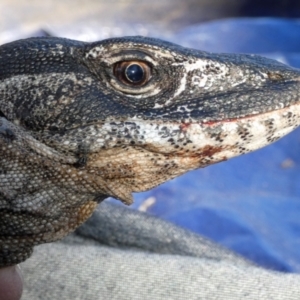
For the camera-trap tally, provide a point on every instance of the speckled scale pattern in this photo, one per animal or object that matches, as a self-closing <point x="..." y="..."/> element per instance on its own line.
<point x="36" y="56"/>
<point x="72" y="134"/>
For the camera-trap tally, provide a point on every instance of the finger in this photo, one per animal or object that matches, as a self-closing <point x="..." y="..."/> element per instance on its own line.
<point x="11" y="283"/>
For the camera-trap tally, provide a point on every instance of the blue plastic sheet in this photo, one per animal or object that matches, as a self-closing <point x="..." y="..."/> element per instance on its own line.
<point x="259" y="35"/>
<point x="250" y="204"/>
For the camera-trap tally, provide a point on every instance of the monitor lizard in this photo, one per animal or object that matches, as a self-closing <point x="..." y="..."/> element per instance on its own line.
<point x="80" y="122"/>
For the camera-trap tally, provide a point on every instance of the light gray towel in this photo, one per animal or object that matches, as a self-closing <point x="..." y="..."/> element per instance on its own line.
<point x="125" y="254"/>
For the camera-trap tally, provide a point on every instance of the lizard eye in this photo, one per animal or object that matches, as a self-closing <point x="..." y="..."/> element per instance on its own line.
<point x="135" y="73"/>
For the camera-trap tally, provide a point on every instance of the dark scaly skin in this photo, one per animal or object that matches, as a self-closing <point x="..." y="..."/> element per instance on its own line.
<point x="73" y="134"/>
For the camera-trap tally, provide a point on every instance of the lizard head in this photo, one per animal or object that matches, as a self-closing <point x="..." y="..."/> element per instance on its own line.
<point x="83" y="121"/>
<point x="177" y="109"/>
<point x="135" y="112"/>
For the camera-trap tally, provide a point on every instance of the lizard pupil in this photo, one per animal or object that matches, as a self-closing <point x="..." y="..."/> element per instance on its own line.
<point x="134" y="73"/>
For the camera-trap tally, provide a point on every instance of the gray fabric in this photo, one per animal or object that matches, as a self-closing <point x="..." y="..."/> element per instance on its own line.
<point x="123" y="254"/>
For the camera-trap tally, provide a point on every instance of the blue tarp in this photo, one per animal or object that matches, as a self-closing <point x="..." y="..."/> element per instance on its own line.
<point x="250" y="204"/>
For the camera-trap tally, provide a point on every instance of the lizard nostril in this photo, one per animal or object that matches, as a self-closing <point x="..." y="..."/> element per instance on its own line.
<point x="274" y="76"/>
<point x="136" y="73"/>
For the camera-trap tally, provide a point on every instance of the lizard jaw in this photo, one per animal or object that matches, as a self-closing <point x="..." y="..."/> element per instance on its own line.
<point x="165" y="151"/>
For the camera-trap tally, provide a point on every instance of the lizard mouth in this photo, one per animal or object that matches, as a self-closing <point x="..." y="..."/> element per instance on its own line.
<point x="257" y="115"/>
<point x="170" y="149"/>
<point x="217" y="139"/>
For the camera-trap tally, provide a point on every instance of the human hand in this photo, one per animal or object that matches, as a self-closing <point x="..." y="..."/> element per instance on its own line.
<point x="11" y="283"/>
